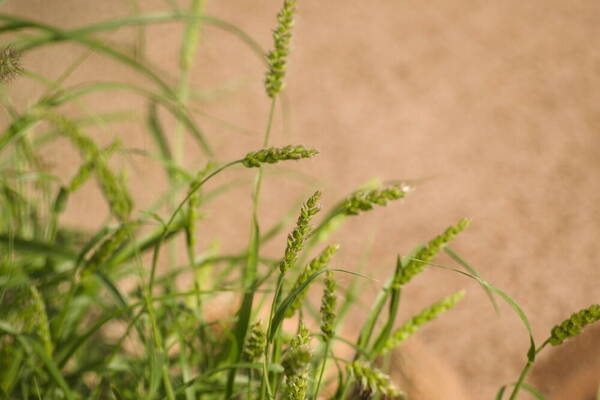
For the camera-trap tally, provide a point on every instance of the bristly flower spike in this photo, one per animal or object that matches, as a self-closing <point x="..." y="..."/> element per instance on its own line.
<point x="295" y="363"/>
<point x="575" y="324"/>
<point x="427" y="253"/>
<point x="374" y="381"/>
<point x="255" y="343"/>
<point x="364" y="200"/>
<point x="276" y="154"/>
<point x="426" y="315"/>
<point x="277" y="58"/>
<point x="328" y="306"/>
<point x="296" y="238"/>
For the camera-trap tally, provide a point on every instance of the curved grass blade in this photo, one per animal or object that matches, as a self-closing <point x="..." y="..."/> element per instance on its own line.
<point x="531" y="352"/>
<point x="474" y="272"/>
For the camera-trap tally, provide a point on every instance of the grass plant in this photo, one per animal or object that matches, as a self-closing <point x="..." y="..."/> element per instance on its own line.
<point x="69" y="326"/>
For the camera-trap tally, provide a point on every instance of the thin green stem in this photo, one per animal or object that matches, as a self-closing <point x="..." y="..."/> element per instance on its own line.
<point x="322" y="372"/>
<point x="249" y="275"/>
<point x="174" y="214"/>
<point x="525" y="372"/>
<point x="266" y="383"/>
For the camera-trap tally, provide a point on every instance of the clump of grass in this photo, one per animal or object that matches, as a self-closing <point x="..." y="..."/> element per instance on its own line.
<point x="85" y="315"/>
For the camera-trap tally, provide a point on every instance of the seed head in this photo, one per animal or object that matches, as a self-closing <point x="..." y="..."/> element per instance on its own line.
<point x="328" y="306"/>
<point x="295" y="363"/>
<point x="364" y="200"/>
<point x="575" y="324"/>
<point x="374" y="381"/>
<point x="426" y="315"/>
<point x="255" y="343"/>
<point x="10" y="64"/>
<point x="295" y="240"/>
<point x="276" y="154"/>
<point x="277" y="58"/>
<point x="427" y="253"/>
<point x="298" y="355"/>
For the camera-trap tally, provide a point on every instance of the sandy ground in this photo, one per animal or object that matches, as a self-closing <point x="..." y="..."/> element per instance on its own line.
<point x="491" y="107"/>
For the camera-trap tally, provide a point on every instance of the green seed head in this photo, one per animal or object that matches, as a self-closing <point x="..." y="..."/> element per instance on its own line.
<point x="427" y="253"/>
<point x="374" y="381"/>
<point x="277" y="58"/>
<point x="575" y="324"/>
<point x="298" y="355"/>
<point x="426" y="315"/>
<point x="328" y="306"/>
<point x="364" y="200"/>
<point x="10" y="64"/>
<point x="255" y="343"/>
<point x="296" y="238"/>
<point x="276" y="154"/>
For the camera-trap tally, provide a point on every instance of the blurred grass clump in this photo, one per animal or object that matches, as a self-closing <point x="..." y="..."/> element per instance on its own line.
<point x="97" y="314"/>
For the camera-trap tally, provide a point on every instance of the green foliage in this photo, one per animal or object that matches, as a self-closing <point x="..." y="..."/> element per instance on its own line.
<point x="98" y="314"/>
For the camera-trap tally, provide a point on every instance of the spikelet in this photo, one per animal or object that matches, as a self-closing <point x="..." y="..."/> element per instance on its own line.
<point x="328" y="306"/>
<point x="295" y="363"/>
<point x="277" y="58"/>
<point x="276" y="154"/>
<point x="107" y="248"/>
<point x="255" y="343"/>
<point x="295" y="240"/>
<point x="296" y="387"/>
<point x="364" y="200"/>
<point x="427" y="253"/>
<point x="426" y="315"/>
<point x="317" y="264"/>
<point x="575" y="324"/>
<point x="374" y="381"/>
<point x="10" y="64"/>
<point x="41" y="318"/>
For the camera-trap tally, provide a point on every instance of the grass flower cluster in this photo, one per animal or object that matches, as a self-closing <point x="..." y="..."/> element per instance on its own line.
<point x="101" y="314"/>
<point x="274" y="155"/>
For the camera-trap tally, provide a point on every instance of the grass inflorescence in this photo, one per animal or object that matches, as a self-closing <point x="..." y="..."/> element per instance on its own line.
<point x="100" y="313"/>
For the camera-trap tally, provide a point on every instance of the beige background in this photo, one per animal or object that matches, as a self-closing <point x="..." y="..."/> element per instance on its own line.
<point x="492" y="107"/>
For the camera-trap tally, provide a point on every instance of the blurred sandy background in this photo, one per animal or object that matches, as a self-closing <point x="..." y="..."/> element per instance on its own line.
<point x="492" y="106"/>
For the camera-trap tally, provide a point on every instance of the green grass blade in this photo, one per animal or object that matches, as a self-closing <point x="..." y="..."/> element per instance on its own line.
<point x="531" y="352"/>
<point x="474" y="272"/>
